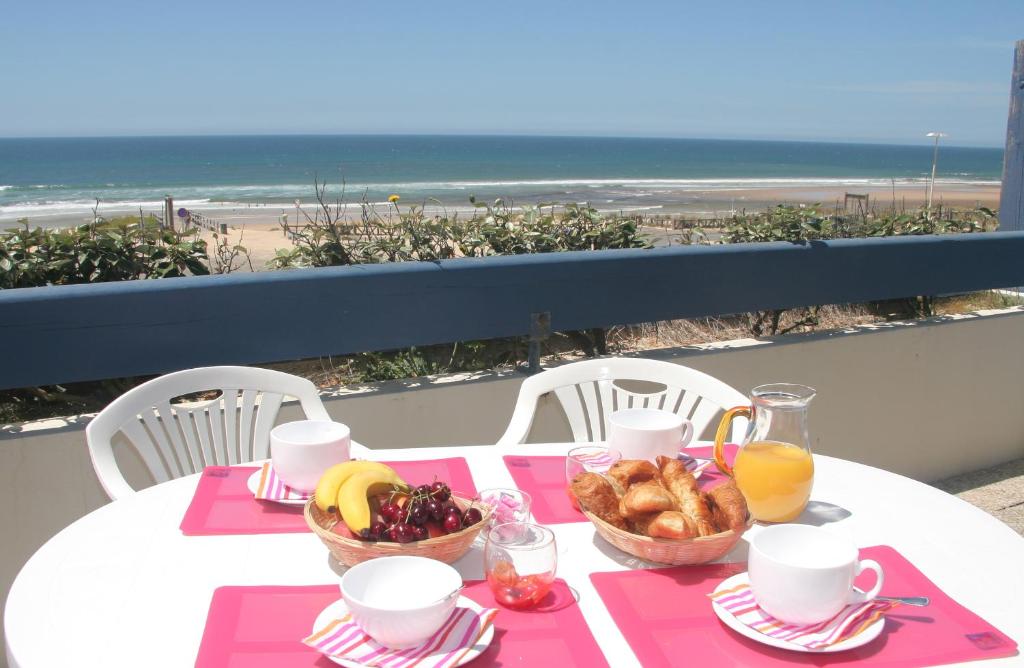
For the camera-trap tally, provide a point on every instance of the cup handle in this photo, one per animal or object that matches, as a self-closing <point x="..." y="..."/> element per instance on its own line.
<point x="687" y="434"/>
<point x="864" y="597"/>
<point x="723" y="431"/>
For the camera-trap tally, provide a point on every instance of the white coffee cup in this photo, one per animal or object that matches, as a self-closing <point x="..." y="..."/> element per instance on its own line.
<point x="803" y="574"/>
<point x="301" y="451"/>
<point x="645" y="433"/>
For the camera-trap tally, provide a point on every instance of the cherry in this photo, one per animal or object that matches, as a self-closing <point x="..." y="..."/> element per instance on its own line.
<point x="440" y="491"/>
<point x="378" y="531"/>
<point x="390" y="511"/>
<point x="423" y="490"/>
<point x="453" y="523"/>
<point x="403" y="533"/>
<point x="365" y="534"/>
<point x="403" y="516"/>
<point x="472" y="516"/>
<point x="436" y="509"/>
<point x="418" y="513"/>
<point x="419" y="532"/>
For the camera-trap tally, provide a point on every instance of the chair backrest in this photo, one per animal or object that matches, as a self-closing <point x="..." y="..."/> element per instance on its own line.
<point x="177" y="439"/>
<point x="589" y="393"/>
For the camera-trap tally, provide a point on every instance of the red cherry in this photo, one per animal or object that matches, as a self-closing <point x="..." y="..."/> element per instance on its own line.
<point x="390" y="511"/>
<point x="453" y="523"/>
<point x="436" y="509"/>
<point x="403" y="533"/>
<point x="440" y="491"/>
<point x="424" y="491"/>
<point x="472" y="516"/>
<point x="378" y="530"/>
<point x="418" y="513"/>
<point x="420" y="532"/>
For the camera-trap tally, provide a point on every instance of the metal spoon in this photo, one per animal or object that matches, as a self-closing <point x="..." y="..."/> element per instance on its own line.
<point x="920" y="601"/>
<point x="455" y="593"/>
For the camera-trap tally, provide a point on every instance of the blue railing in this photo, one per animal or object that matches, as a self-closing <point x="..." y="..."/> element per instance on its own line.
<point x="87" y="332"/>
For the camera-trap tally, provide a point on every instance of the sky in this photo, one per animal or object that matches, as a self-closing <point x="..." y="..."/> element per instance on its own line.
<point x="856" y="71"/>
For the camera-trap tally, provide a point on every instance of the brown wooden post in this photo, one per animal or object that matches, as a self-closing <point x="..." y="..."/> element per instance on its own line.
<point x="169" y="212"/>
<point x="1011" y="201"/>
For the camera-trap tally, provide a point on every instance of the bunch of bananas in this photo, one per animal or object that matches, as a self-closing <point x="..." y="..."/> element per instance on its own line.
<point x="347" y="488"/>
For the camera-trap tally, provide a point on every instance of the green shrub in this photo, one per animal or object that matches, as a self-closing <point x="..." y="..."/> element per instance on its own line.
<point x="96" y="253"/>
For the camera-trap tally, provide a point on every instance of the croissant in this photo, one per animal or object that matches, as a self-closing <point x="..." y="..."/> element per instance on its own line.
<point x="729" y="506"/>
<point x="628" y="472"/>
<point x="683" y="487"/>
<point x="646" y="497"/>
<point x="671" y="524"/>
<point x="595" y="494"/>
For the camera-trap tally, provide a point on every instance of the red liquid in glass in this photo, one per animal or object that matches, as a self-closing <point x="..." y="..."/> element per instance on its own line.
<point x="518" y="591"/>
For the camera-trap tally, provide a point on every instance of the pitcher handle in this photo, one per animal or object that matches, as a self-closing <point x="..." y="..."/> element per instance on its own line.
<point x="723" y="431"/>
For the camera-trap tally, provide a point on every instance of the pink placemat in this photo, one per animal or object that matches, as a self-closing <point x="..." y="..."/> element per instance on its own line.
<point x="263" y="627"/>
<point x="260" y="627"/>
<point x="667" y="619"/>
<point x="223" y="505"/>
<point x="543" y="478"/>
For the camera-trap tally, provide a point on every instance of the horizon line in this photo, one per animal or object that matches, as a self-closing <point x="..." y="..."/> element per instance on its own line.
<point x="494" y="135"/>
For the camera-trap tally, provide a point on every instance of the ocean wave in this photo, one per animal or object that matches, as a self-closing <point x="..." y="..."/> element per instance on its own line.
<point x="290" y="191"/>
<point x="62" y="200"/>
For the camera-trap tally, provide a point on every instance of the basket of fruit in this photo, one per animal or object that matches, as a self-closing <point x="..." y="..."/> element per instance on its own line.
<point x="362" y="510"/>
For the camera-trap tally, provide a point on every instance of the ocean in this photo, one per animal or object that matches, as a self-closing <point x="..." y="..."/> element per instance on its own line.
<point x="48" y="178"/>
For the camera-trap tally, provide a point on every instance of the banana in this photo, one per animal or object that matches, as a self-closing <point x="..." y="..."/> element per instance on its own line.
<point x="326" y="493"/>
<point x="353" y="497"/>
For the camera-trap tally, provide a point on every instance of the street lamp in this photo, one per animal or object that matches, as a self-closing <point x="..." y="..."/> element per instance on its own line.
<point x="935" y="161"/>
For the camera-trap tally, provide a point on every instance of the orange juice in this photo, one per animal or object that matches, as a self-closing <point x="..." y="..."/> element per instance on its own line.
<point x="775" y="478"/>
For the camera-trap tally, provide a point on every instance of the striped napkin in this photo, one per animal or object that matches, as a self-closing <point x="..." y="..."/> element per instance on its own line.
<point x="850" y="621"/>
<point x="343" y="639"/>
<point x="272" y="488"/>
<point x="595" y="462"/>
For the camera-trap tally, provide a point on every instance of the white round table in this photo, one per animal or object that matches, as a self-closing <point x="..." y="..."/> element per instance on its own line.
<point x="124" y="580"/>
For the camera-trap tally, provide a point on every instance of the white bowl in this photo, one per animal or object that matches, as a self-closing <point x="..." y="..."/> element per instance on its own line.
<point x="401" y="601"/>
<point x="301" y="451"/>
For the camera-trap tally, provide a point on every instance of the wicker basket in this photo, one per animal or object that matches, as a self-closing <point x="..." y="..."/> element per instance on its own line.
<point x="686" y="552"/>
<point x="350" y="551"/>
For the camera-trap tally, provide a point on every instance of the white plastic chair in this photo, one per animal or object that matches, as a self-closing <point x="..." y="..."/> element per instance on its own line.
<point x="177" y="439"/>
<point x="589" y="394"/>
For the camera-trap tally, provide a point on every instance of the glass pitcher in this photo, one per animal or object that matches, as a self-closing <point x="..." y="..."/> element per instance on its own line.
<point x="773" y="468"/>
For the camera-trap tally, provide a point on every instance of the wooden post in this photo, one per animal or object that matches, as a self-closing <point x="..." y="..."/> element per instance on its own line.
<point x="169" y="212"/>
<point x="1011" y="201"/>
<point x="540" y="329"/>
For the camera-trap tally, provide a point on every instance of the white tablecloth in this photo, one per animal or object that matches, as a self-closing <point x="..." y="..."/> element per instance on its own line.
<point x="124" y="580"/>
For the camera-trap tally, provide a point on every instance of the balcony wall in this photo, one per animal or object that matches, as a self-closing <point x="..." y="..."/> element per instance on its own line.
<point x="927" y="399"/>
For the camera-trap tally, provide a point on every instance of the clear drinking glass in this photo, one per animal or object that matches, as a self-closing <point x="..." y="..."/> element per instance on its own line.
<point x="587" y="458"/>
<point x="520" y="560"/>
<point x="507" y="504"/>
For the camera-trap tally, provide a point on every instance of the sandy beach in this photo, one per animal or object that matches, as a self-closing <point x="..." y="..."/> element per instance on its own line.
<point x="259" y="229"/>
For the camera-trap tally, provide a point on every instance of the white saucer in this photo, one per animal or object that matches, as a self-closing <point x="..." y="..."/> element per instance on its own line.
<point x="253" y="483"/>
<point x="338" y="609"/>
<point x="859" y="640"/>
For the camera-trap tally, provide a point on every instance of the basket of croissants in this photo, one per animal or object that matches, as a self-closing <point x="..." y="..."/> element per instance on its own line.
<point x="659" y="514"/>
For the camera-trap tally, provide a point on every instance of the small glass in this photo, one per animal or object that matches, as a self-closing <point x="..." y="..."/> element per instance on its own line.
<point x="587" y="458"/>
<point x="520" y="561"/>
<point x="507" y="504"/>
